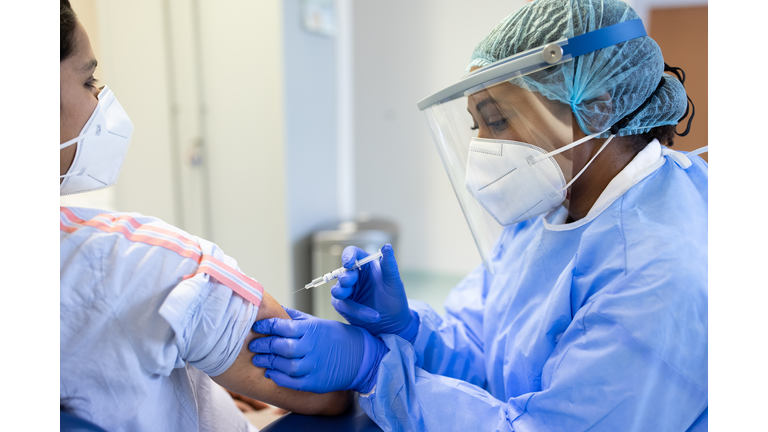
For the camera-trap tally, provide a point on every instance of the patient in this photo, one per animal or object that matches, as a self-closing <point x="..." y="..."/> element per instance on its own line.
<point x="149" y="312"/>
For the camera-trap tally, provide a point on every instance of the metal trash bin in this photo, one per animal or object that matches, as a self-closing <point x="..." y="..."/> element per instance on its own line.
<point x="327" y="246"/>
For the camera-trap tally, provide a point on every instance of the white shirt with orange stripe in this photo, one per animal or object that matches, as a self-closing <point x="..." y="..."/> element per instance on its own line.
<point x="147" y="311"/>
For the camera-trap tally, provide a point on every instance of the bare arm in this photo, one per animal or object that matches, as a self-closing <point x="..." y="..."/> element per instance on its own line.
<point x="246" y="379"/>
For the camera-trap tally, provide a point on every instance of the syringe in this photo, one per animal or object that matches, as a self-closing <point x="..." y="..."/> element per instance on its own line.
<point x="340" y="271"/>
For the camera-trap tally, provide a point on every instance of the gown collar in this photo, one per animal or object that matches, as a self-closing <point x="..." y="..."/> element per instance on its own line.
<point x="644" y="163"/>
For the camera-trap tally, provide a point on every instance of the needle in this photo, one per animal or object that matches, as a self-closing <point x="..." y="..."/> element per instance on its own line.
<point x="339" y="271"/>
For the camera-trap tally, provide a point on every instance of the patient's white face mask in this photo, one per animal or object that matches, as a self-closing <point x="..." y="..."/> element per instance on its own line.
<point x="515" y="181"/>
<point x="101" y="148"/>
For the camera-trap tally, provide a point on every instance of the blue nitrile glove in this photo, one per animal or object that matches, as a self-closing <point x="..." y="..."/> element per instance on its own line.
<point x="374" y="296"/>
<point x="317" y="355"/>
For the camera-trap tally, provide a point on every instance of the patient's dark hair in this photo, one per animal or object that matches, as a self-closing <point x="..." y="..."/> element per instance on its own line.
<point x="67" y="23"/>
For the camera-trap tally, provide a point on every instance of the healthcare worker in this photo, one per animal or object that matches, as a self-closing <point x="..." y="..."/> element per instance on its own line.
<point x="589" y="311"/>
<point x="148" y="311"/>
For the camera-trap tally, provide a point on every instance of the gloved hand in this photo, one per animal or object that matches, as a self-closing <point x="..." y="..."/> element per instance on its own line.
<point x="373" y="297"/>
<point x="317" y="355"/>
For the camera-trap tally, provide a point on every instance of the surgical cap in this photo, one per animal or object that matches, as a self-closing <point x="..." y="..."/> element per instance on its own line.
<point x="601" y="87"/>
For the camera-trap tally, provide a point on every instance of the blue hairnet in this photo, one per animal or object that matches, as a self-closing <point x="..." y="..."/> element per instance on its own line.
<point x="601" y="87"/>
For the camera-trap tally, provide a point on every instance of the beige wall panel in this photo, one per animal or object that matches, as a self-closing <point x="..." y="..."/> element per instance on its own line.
<point x="243" y="80"/>
<point x="134" y="66"/>
<point x="682" y="35"/>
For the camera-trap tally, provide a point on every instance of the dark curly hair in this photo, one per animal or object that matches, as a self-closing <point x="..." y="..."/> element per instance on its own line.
<point x="67" y="23"/>
<point x="665" y="135"/>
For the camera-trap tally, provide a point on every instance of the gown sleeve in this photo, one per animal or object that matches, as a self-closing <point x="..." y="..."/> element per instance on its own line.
<point x="600" y="377"/>
<point x="452" y="345"/>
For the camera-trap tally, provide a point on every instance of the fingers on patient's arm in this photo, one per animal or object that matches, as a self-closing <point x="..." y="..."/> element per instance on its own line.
<point x="283" y="347"/>
<point x="247" y="380"/>
<point x="281" y="327"/>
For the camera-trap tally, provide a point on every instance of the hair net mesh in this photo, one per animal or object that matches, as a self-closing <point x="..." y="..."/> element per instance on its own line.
<point x="601" y="87"/>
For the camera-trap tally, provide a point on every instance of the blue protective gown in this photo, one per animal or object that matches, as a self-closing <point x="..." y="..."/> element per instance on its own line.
<point x="596" y="325"/>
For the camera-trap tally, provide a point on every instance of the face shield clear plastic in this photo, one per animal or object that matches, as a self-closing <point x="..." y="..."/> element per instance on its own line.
<point x="505" y="147"/>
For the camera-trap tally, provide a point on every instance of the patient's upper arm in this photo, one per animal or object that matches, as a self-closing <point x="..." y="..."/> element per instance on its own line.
<point x="246" y="379"/>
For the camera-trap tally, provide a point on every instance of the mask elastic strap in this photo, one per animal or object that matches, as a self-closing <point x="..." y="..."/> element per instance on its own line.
<point x="95" y="131"/>
<point x="70" y="142"/>
<point x="564" y="148"/>
<point x="79" y="173"/>
<point x="78" y="138"/>
<point x="587" y="165"/>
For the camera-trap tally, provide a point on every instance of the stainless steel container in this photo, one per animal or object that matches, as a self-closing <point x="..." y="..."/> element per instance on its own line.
<point x="327" y="246"/>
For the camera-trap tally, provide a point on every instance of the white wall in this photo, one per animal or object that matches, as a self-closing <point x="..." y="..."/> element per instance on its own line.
<point x="243" y="75"/>
<point x="404" y="51"/>
<point x="310" y="141"/>
<point x="133" y="64"/>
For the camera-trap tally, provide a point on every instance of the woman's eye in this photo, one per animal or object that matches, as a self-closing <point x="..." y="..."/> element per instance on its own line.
<point x="91" y="83"/>
<point x="498" y="125"/>
<point x="495" y="121"/>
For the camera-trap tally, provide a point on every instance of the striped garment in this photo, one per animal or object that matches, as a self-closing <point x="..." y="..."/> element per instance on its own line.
<point x="147" y="311"/>
<point x="173" y="240"/>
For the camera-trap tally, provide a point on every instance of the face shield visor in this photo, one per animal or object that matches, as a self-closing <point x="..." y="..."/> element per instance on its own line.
<point x="506" y="147"/>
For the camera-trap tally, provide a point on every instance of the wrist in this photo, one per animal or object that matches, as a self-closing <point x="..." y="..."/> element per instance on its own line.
<point x="412" y="329"/>
<point x="373" y="351"/>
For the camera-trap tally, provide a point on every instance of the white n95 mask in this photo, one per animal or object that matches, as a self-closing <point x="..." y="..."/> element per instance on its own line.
<point x="101" y="148"/>
<point x="515" y="181"/>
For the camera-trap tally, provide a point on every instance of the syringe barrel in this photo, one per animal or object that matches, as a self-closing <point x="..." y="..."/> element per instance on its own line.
<point x="366" y="260"/>
<point x="338" y="272"/>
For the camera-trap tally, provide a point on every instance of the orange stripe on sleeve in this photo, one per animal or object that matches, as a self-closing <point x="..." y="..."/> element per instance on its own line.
<point x="235" y="280"/>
